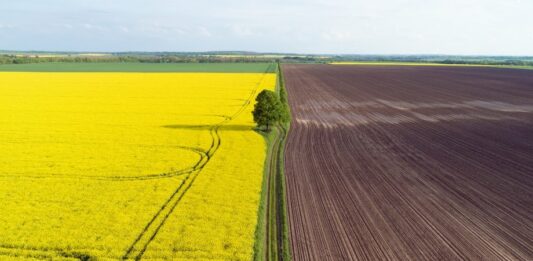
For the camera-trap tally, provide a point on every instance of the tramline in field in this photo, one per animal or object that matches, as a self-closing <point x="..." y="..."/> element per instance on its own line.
<point x="142" y="165"/>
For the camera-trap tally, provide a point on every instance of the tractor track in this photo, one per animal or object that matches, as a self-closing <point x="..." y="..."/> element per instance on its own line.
<point x="140" y="244"/>
<point x="202" y="154"/>
<point x="199" y="151"/>
<point x="275" y="242"/>
<point x="274" y="230"/>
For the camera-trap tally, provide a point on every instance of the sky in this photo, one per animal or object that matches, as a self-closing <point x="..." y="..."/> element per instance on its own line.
<point x="462" y="27"/>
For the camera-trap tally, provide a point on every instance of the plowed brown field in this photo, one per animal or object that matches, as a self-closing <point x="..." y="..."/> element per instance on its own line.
<point x="410" y="163"/>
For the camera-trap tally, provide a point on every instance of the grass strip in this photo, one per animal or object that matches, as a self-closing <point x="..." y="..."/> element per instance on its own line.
<point x="272" y="233"/>
<point x="282" y="195"/>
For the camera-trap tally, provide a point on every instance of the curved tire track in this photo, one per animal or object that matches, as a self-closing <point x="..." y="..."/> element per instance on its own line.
<point x="138" y="247"/>
<point x="149" y="232"/>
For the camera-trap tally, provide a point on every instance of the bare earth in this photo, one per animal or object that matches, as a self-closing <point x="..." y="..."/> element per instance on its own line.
<point x="410" y="163"/>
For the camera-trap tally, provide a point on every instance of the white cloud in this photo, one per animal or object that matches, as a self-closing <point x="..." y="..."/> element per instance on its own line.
<point x="124" y="29"/>
<point x="242" y="30"/>
<point x="202" y="31"/>
<point x="6" y="26"/>
<point x="94" y="27"/>
<point x="338" y="36"/>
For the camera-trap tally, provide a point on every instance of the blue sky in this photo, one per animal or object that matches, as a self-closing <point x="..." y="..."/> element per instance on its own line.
<point x="486" y="27"/>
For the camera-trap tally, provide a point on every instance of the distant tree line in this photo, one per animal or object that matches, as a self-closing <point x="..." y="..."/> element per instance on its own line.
<point x="444" y="59"/>
<point x="35" y="58"/>
<point x="250" y="57"/>
<point x="513" y="62"/>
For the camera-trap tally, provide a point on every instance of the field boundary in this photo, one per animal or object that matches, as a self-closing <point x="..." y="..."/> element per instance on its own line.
<point x="272" y="232"/>
<point x="261" y="240"/>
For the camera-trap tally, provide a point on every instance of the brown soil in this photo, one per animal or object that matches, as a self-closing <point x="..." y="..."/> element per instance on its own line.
<point x="410" y="163"/>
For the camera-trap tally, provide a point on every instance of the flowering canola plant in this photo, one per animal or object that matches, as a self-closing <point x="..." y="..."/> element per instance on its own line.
<point x="129" y="165"/>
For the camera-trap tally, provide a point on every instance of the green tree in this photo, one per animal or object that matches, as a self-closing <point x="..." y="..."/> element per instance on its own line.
<point x="269" y="110"/>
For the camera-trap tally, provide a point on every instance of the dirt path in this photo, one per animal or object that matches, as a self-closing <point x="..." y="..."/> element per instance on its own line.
<point x="410" y="163"/>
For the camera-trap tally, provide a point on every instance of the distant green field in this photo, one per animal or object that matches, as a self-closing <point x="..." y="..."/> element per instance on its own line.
<point x="139" y="67"/>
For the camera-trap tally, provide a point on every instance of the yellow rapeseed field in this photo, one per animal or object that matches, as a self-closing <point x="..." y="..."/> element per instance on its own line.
<point x="129" y="165"/>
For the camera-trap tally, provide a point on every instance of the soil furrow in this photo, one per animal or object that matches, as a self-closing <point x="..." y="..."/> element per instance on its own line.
<point x="410" y="163"/>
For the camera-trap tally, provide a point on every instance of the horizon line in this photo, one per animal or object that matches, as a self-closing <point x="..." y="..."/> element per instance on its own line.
<point x="264" y="53"/>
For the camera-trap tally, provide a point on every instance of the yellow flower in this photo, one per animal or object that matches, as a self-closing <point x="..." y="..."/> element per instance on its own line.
<point x="111" y="165"/>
